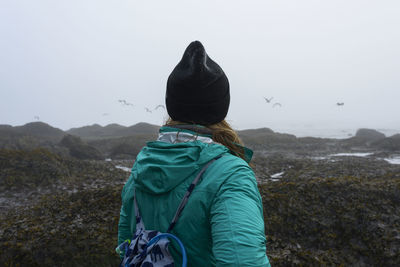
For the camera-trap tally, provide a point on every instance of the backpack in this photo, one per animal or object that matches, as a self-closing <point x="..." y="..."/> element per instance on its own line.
<point x="150" y="247"/>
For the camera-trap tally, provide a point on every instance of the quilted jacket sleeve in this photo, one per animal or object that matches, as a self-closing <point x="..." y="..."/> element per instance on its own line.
<point x="237" y="223"/>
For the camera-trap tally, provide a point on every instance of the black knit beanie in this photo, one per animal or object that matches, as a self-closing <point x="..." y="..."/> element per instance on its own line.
<point x="197" y="89"/>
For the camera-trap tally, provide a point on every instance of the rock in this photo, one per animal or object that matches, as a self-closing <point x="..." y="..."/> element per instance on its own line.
<point x="363" y="140"/>
<point x="95" y="131"/>
<point x="332" y="221"/>
<point x="395" y="137"/>
<point x="64" y="229"/>
<point x="388" y="144"/>
<point x="30" y="168"/>
<point x="265" y="138"/>
<point x="80" y="149"/>
<point x="369" y="134"/>
<point x="338" y="211"/>
<point x="40" y="129"/>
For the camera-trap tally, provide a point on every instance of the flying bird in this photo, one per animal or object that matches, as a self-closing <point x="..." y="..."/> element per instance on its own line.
<point x="106" y="114"/>
<point x="276" y="105"/>
<point x="125" y="103"/>
<point x="340" y="104"/>
<point x="159" y="106"/>
<point x="268" y="100"/>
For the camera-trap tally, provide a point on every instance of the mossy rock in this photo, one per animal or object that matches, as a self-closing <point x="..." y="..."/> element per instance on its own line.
<point x="69" y="229"/>
<point x="80" y="149"/>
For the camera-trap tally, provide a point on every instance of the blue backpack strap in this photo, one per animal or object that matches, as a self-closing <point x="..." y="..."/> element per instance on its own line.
<point x="123" y="247"/>
<point x="168" y="235"/>
<point x="187" y="195"/>
<point x="139" y="221"/>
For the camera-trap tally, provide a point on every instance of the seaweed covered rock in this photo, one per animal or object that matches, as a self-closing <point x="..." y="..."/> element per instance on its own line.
<point x="70" y="219"/>
<point x="30" y="168"/>
<point x="80" y="149"/>
<point x="343" y="220"/>
<point x="78" y="229"/>
<point x="124" y="151"/>
<point x="330" y="211"/>
<point x="41" y="169"/>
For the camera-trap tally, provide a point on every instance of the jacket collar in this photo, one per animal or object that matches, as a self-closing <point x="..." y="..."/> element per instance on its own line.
<point x="189" y="133"/>
<point x="178" y="136"/>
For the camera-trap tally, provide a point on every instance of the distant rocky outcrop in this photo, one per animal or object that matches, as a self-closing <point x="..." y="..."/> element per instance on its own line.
<point x="369" y="134"/>
<point x="89" y="142"/>
<point x="80" y="149"/>
<point x="256" y="132"/>
<point x="30" y="136"/>
<point x="40" y="129"/>
<point x="113" y="128"/>
<point x="140" y="128"/>
<point x="266" y="138"/>
<point x="363" y="139"/>
<point x="8" y="135"/>
<point x="389" y="143"/>
<point x="5" y="127"/>
<point x="124" y="147"/>
<point x="85" y="131"/>
<point x="121" y="142"/>
<point x="95" y="131"/>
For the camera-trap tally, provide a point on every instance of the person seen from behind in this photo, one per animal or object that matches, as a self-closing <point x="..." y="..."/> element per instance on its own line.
<point x="222" y="221"/>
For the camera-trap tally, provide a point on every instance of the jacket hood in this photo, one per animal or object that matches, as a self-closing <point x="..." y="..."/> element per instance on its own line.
<point x="173" y="158"/>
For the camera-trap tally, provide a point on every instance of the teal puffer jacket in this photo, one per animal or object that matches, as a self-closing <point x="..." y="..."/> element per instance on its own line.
<point x="222" y="223"/>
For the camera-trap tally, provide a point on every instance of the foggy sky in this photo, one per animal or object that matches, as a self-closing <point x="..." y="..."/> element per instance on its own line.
<point x="69" y="62"/>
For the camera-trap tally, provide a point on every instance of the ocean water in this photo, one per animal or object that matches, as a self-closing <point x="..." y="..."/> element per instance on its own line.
<point x="276" y="177"/>
<point x="330" y="132"/>
<point x="351" y="154"/>
<point x="391" y="160"/>
<point x="123" y="168"/>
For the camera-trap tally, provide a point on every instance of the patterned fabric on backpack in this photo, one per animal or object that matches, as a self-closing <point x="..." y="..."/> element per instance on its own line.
<point x="150" y="248"/>
<point x="147" y="248"/>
